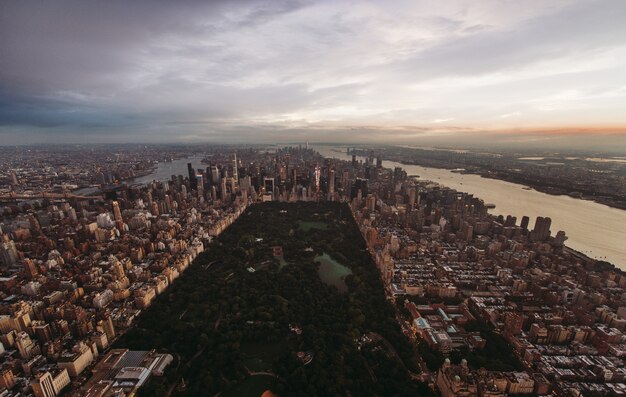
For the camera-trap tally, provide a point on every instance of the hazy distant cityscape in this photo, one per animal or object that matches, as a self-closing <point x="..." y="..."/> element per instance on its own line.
<point x="93" y="236"/>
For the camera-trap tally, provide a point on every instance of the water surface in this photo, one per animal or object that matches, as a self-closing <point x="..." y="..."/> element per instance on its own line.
<point x="595" y="229"/>
<point x="332" y="272"/>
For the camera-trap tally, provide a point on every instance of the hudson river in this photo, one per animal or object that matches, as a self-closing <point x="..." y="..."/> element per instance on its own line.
<point x="593" y="229"/>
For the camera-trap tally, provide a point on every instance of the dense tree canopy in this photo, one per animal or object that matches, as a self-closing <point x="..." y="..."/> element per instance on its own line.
<point x="225" y="322"/>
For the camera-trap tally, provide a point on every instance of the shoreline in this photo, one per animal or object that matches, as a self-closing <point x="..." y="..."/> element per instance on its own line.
<point x="598" y="264"/>
<point x="603" y="264"/>
<point x="140" y="174"/>
<point x="554" y="191"/>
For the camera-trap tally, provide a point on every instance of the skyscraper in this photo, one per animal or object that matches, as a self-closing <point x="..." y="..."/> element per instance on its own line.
<point x="525" y="221"/>
<point x="412" y="193"/>
<point x="359" y="188"/>
<point x="215" y="175"/>
<point x="268" y="184"/>
<point x="317" y="174"/>
<point x="541" y="231"/>
<point x="8" y="252"/>
<point x="14" y="180"/>
<point x="43" y="385"/>
<point x="117" y="214"/>
<point x="192" y="177"/>
<point x="235" y="174"/>
<point x="223" y="191"/>
<point x="200" y="184"/>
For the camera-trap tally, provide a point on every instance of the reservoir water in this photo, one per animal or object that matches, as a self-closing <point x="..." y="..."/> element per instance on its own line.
<point x="332" y="272"/>
<point x="593" y="229"/>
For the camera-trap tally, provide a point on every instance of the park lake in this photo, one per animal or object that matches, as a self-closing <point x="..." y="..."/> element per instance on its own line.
<point x="332" y="272"/>
<point x="308" y="225"/>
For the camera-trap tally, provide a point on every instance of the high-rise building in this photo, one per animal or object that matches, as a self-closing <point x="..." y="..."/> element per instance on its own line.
<point x="524" y="223"/>
<point x="8" y="252"/>
<point x="43" y="386"/>
<point x="513" y="323"/>
<point x="200" y="184"/>
<point x="7" y="379"/>
<point x="370" y="202"/>
<point x="223" y="191"/>
<point x="14" y="180"/>
<point x="215" y="175"/>
<point x="192" y="177"/>
<point x="412" y="193"/>
<point x="43" y="332"/>
<point x="268" y="184"/>
<point x="77" y="360"/>
<point x="510" y="221"/>
<point x="541" y="231"/>
<point x="317" y="174"/>
<point x="48" y="384"/>
<point x="30" y="269"/>
<point x="560" y="238"/>
<point x="117" y="214"/>
<point x="345" y="180"/>
<point x="235" y="173"/>
<point x="399" y="174"/>
<point x="359" y="189"/>
<point x="25" y="345"/>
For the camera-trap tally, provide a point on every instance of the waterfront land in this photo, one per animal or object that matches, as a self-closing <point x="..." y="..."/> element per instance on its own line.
<point x="579" y="175"/>
<point x="263" y="308"/>
<point x="288" y="299"/>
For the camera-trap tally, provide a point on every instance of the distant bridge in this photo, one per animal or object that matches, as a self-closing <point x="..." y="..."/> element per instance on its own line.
<point x="12" y="196"/>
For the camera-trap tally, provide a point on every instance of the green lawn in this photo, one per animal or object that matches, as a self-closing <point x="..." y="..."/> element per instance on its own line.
<point x="308" y="225"/>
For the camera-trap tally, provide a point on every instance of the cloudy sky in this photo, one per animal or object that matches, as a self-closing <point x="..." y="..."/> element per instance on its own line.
<point x="386" y="71"/>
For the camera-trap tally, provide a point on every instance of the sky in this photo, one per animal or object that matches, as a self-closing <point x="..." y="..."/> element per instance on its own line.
<point x="413" y="71"/>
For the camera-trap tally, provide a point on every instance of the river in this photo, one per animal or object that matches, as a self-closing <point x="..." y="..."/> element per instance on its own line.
<point x="593" y="229"/>
<point x="166" y="169"/>
<point x="163" y="171"/>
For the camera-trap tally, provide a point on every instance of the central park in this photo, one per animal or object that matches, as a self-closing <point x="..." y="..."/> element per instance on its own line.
<point x="287" y="299"/>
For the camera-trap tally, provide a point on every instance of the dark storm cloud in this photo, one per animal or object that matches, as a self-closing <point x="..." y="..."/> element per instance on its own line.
<point x="42" y="112"/>
<point x="90" y="51"/>
<point x="94" y="46"/>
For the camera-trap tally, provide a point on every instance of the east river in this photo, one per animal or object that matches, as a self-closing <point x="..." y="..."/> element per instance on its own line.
<point x="166" y="169"/>
<point x="162" y="172"/>
<point x="593" y="229"/>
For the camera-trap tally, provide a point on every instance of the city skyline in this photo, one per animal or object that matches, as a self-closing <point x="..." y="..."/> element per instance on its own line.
<point x="191" y="270"/>
<point x="532" y="73"/>
<point x="267" y="198"/>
